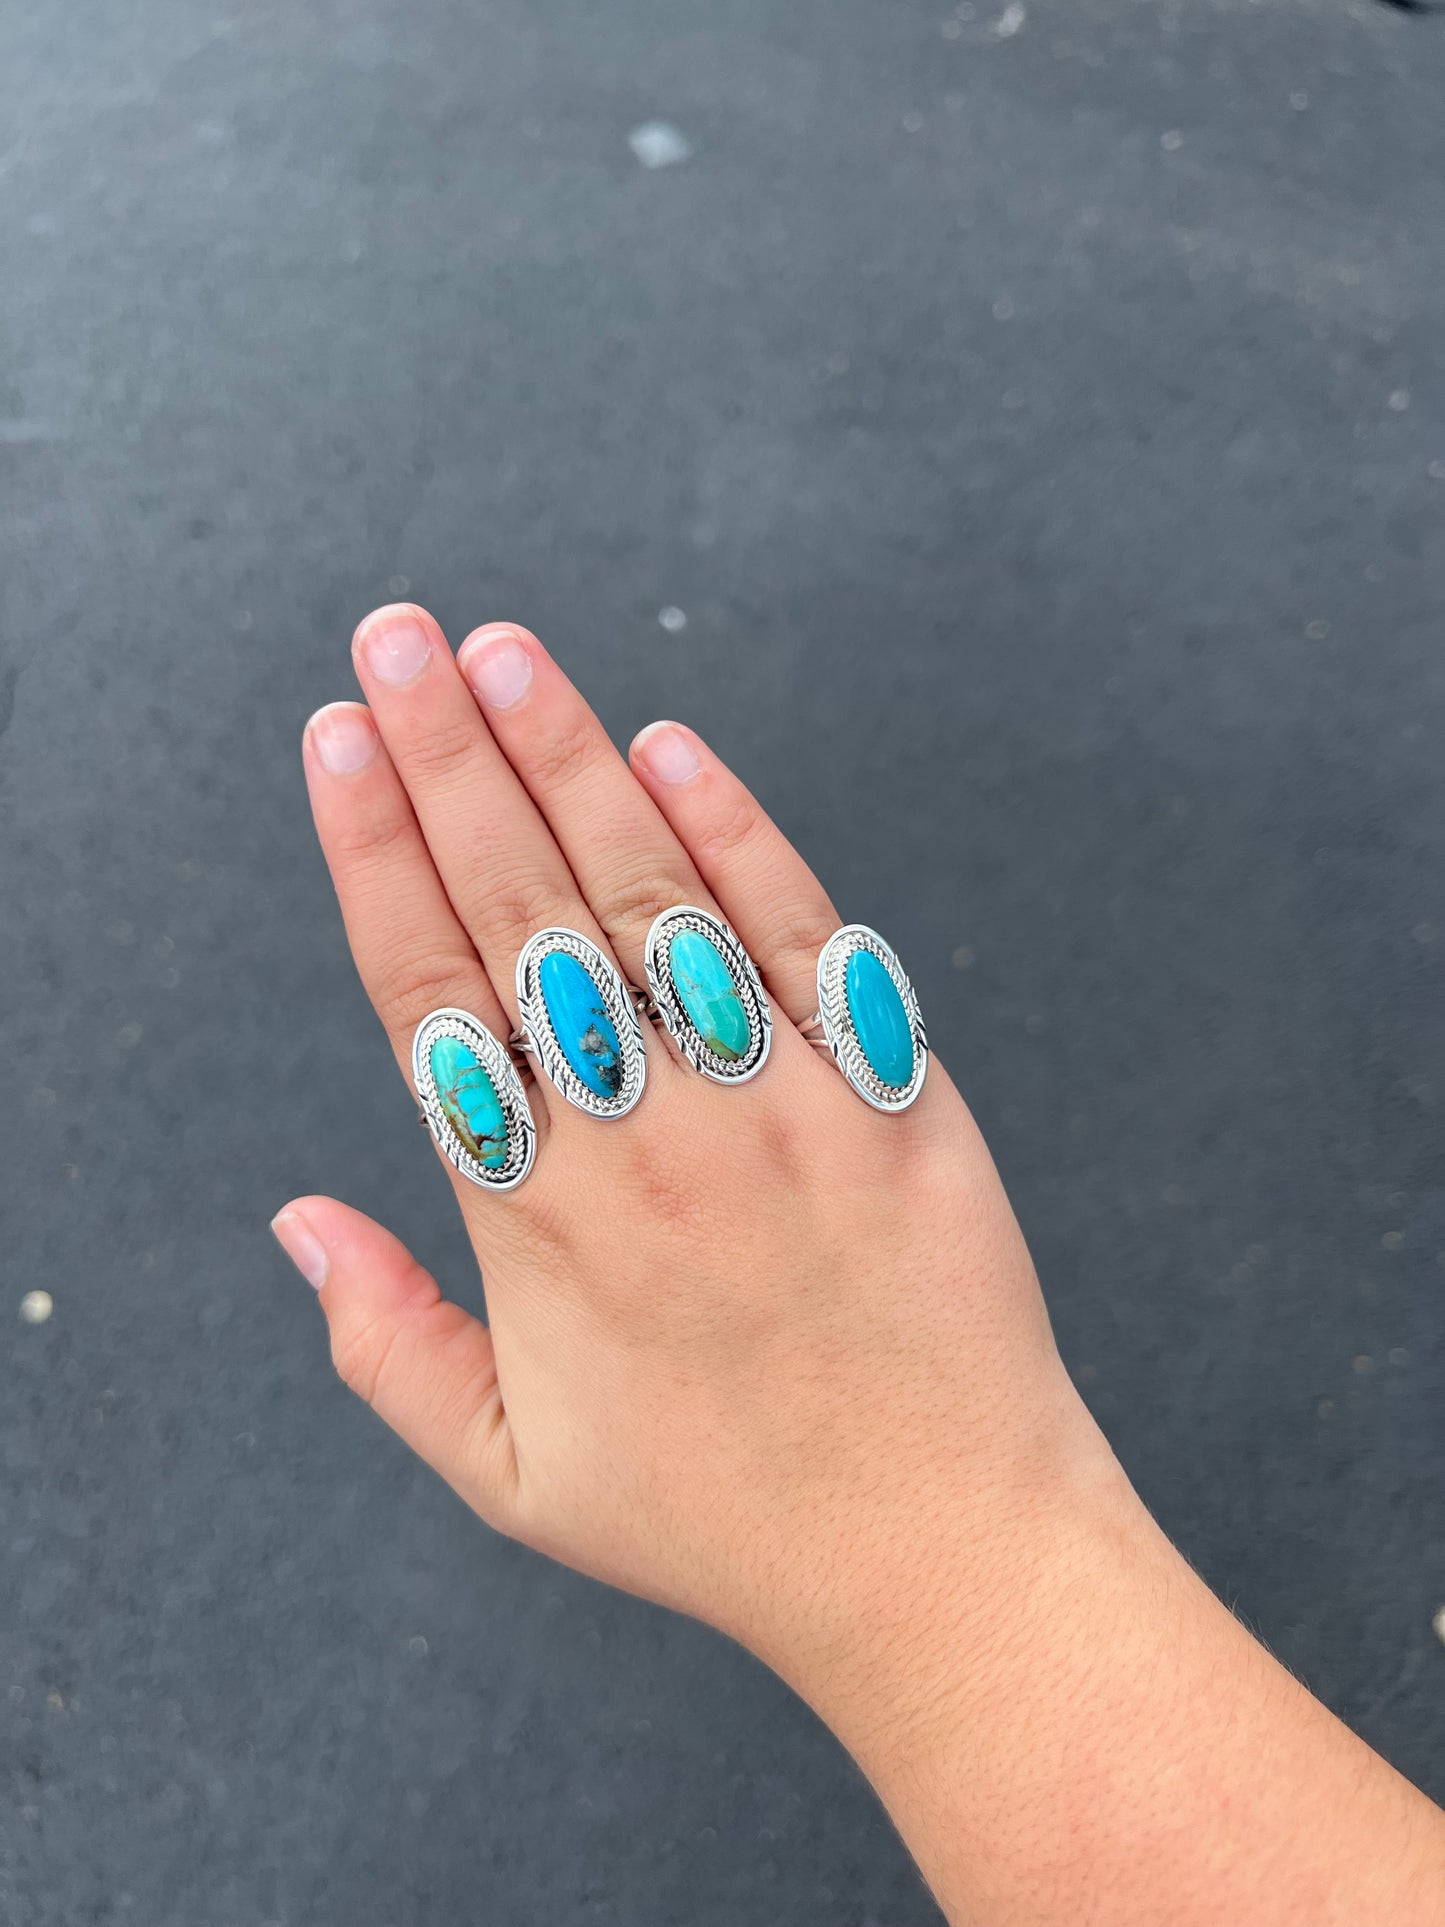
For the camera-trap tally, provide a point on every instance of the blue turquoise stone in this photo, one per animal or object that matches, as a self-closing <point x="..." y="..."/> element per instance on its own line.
<point x="469" y="1099"/>
<point x="579" y="1019"/>
<point x="706" y="991"/>
<point x="880" y="1022"/>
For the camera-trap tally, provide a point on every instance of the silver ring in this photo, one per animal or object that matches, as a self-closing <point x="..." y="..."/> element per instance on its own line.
<point x="580" y="1023"/>
<point x="472" y="1100"/>
<point x="868" y="1018"/>
<point x="707" y="992"/>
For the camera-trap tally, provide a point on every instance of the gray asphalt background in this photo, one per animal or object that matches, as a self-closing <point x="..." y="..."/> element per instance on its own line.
<point x="1043" y="432"/>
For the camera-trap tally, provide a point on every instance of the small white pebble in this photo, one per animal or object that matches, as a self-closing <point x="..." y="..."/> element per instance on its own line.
<point x="672" y="619"/>
<point x="1172" y="141"/>
<point x="657" y="143"/>
<point x="36" y="1307"/>
<point x="1399" y="401"/>
<point x="1009" y="21"/>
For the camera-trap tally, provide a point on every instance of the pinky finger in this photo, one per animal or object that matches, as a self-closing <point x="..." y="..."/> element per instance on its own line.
<point x="422" y="1364"/>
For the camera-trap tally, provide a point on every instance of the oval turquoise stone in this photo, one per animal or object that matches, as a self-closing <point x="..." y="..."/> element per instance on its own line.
<point x="469" y="1099"/>
<point x="578" y="1016"/>
<point x="880" y="1022"/>
<point x="706" y="991"/>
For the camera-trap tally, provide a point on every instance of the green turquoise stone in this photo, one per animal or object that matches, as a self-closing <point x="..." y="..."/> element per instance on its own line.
<point x="469" y="1099"/>
<point x="579" y="1020"/>
<point x="880" y="1023"/>
<point x="706" y="991"/>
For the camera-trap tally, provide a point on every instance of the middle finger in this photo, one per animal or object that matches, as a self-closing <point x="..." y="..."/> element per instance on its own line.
<point x="496" y="856"/>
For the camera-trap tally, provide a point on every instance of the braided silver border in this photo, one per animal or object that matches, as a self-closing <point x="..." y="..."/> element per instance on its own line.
<point x="496" y="1061"/>
<point x="657" y="960"/>
<point x="541" y="1039"/>
<point x="837" y="1020"/>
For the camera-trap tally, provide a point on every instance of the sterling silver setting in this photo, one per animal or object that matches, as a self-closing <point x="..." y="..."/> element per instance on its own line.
<point x="496" y="1060"/>
<point x="538" y="1036"/>
<point x="669" y="1007"/>
<point x="831" y="1025"/>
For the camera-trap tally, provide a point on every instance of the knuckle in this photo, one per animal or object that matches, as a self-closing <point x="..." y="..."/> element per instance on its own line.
<point x="515" y="903"/>
<point x="733" y="825"/>
<point x="369" y="1355"/>
<point x="797" y="933"/>
<point x="633" y="899"/>
<point x="560" y="757"/>
<point x="359" y="843"/>
<point x="361" y="1357"/>
<point x="405" y="991"/>
<point x="440" y="753"/>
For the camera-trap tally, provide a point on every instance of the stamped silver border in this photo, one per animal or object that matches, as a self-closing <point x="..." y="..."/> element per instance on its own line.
<point x="496" y="1060"/>
<point x="541" y="1039"/>
<point x="657" y="960"/>
<point x="837" y="1021"/>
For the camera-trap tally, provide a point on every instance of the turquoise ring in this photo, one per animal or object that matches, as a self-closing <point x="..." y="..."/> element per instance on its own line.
<point x="868" y="1018"/>
<point x="580" y="1022"/>
<point x="472" y="1100"/>
<point x="706" y="989"/>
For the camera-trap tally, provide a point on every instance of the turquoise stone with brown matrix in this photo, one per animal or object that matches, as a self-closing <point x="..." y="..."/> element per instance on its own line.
<point x="469" y="1100"/>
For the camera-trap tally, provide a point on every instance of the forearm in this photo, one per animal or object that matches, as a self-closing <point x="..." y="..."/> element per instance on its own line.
<point x="1079" y="1732"/>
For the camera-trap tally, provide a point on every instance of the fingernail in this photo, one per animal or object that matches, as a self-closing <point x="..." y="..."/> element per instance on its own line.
<point x="302" y="1247"/>
<point x="499" y="670"/>
<point x="345" y="738"/>
<point x="396" y="648"/>
<point x="668" y="753"/>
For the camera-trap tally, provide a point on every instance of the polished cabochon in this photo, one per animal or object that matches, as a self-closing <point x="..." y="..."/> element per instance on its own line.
<point x="472" y="1100"/>
<point x="870" y="1018"/>
<point x="580" y="1022"/>
<point x="708" y="994"/>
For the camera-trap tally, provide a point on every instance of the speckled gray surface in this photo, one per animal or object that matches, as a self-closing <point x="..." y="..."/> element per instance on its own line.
<point x="1040" y="417"/>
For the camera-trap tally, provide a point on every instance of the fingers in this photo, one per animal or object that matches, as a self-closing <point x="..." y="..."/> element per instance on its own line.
<point x="496" y="857"/>
<point x="768" y="894"/>
<point x="423" y="1364"/>
<point x="409" y="945"/>
<point x="617" y="844"/>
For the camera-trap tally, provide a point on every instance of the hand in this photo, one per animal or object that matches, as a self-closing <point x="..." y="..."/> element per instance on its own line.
<point x="775" y="1359"/>
<point x="742" y="1340"/>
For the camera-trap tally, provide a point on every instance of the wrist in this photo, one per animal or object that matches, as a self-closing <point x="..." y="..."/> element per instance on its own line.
<point x="1065" y="1724"/>
<point x="971" y="1586"/>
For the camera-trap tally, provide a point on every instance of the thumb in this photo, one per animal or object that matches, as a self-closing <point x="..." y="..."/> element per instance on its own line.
<point x="420" y="1362"/>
